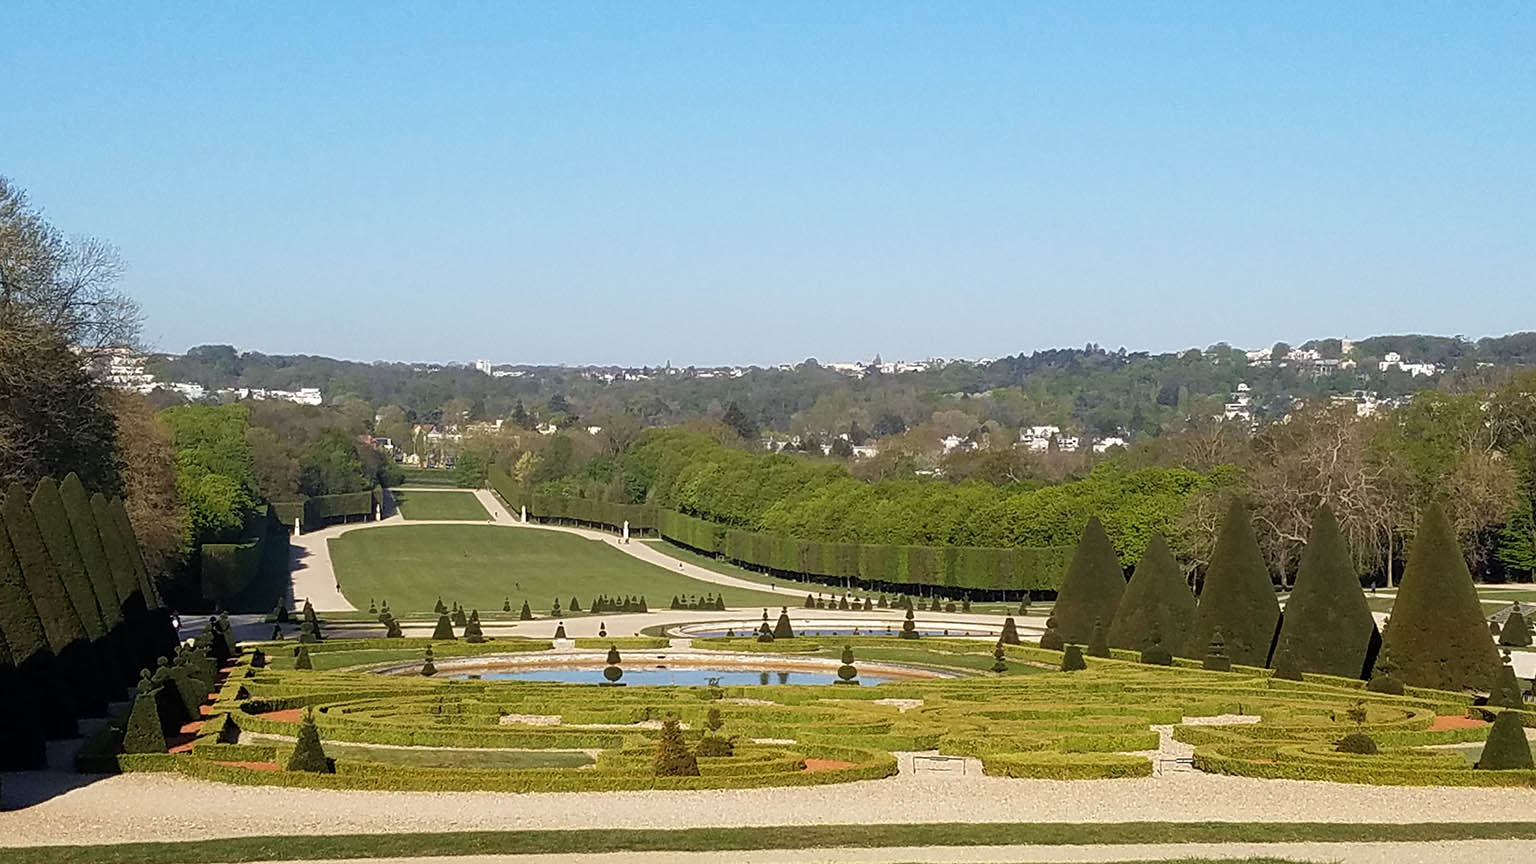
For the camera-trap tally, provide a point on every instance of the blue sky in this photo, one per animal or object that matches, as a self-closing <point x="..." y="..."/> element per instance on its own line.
<point x="763" y="182"/>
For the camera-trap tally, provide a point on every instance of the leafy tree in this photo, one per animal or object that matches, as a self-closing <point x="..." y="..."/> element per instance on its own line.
<point x="672" y="756"/>
<point x="1327" y="625"/>
<point x="1239" y="596"/>
<point x="738" y="420"/>
<point x="53" y="417"/>
<point x="1437" y="635"/>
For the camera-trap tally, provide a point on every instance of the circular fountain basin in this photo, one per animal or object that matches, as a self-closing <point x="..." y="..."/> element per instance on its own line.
<point x="836" y="627"/>
<point x="652" y="668"/>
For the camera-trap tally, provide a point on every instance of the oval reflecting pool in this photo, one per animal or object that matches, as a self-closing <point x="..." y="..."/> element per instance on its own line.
<point x="843" y="631"/>
<point x="695" y="676"/>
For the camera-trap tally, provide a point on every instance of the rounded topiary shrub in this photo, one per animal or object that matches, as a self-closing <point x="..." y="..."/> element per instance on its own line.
<point x="612" y="672"/>
<point x="999" y="663"/>
<point x="713" y="744"/>
<point x="846" y="673"/>
<point x="1356" y="742"/>
<point x="427" y="666"/>
<point x="1155" y="654"/>
<point x="301" y="660"/>
<point x="1010" y="634"/>
<point x="1052" y="639"/>
<point x="908" y="627"/>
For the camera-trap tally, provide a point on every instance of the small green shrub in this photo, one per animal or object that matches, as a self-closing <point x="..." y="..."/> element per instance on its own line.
<point x="1072" y="659"/>
<point x="1010" y="635"/>
<point x="1098" y="642"/>
<point x="613" y="672"/>
<point x="526" y="614"/>
<point x="1356" y="742"/>
<point x="908" y="627"/>
<point x="308" y="755"/>
<point x="1155" y="654"/>
<point x="1216" y="659"/>
<point x="672" y="756"/>
<point x="143" y="732"/>
<point x="302" y="660"/>
<point x="1052" y="640"/>
<point x="999" y="664"/>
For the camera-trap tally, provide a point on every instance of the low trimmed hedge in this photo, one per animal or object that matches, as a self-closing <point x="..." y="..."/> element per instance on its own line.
<point x="1064" y="766"/>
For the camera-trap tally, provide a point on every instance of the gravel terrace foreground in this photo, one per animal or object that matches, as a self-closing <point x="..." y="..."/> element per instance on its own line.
<point x="147" y="806"/>
<point x="1458" y="852"/>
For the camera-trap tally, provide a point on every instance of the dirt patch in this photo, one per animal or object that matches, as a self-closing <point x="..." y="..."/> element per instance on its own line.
<point x="254" y="766"/>
<point x="287" y="715"/>
<point x="814" y="765"/>
<point x="192" y="728"/>
<point x="1451" y="721"/>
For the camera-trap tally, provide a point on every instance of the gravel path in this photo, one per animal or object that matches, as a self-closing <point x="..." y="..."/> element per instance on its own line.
<point x="1460" y="852"/>
<point x="156" y="806"/>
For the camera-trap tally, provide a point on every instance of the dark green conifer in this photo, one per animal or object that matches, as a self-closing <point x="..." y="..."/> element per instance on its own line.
<point x="506" y="605"/>
<point x="1098" y="642"/>
<point x="302" y="660"/>
<point x="143" y="732"/>
<point x="908" y="628"/>
<point x="1506" y="748"/>
<point x="428" y="668"/>
<point x="1516" y="632"/>
<point x="1506" y="690"/>
<point x="575" y="605"/>
<point x="1437" y="636"/>
<point x="560" y="631"/>
<point x="1382" y="680"/>
<point x="999" y="659"/>
<point x="526" y="614"/>
<point x="1091" y="587"/>
<point x="1327" y="623"/>
<point x="1216" y="659"/>
<point x="1238" y="597"/>
<point x="472" y="631"/>
<point x="1155" y="598"/>
<point x="781" y="628"/>
<point x="1286" y="667"/>
<point x="440" y="609"/>
<point x="846" y="673"/>
<point x="1051" y="639"/>
<point x="1156" y="654"/>
<point x="1072" y="659"/>
<point x="672" y="756"/>
<point x="1010" y="634"/>
<point x="444" y="630"/>
<point x="308" y="754"/>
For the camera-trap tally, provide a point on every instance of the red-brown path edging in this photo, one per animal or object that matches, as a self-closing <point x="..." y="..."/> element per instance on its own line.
<point x="286" y="715"/>
<point x="254" y="766"/>
<point x="814" y="765"/>
<point x="1452" y="721"/>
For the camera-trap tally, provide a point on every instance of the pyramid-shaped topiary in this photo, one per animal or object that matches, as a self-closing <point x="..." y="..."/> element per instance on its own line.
<point x="1216" y="659"/>
<point x="444" y="629"/>
<point x="781" y="628"/>
<point x="1506" y="690"/>
<point x="1516" y="632"/>
<point x="1155" y="654"/>
<point x="472" y="631"/>
<point x="1098" y="642"/>
<point x="143" y="732"/>
<point x="1506" y="748"/>
<point x="1327" y="624"/>
<point x="560" y="631"/>
<point x="1156" y="598"/>
<point x="1051" y="638"/>
<point x="1092" y="586"/>
<point x="526" y="614"/>
<point x="1010" y="634"/>
<point x="302" y="659"/>
<point x="1437" y="636"/>
<point x="999" y="659"/>
<point x="1286" y="667"/>
<point x="308" y="755"/>
<point x="1238" y="597"/>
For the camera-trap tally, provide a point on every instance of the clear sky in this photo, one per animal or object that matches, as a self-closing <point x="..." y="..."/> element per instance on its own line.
<point x="762" y="182"/>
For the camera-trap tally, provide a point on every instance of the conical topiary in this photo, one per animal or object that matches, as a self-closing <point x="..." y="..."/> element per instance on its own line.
<point x="439" y="609"/>
<point x="1092" y="586"/>
<point x="781" y="628"/>
<point x="472" y="632"/>
<point x="427" y="666"/>
<point x="1023" y="606"/>
<point x="308" y="755"/>
<point x="1506" y="690"/>
<point x="846" y="673"/>
<point x="999" y="659"/>
<point x="560" y="631"/>
<point x="1010" y="634"/>
<point x="613" y="672"/>
<point x="458" y="617"/>
<point x="1438" y="637"/>
<point x="713" y="744"/>
<point x="575" y="604"/>
<point x="554" y="611"/>
<point x="526" y="614"/>
<point x="908" y="627"/>
<point x="1072" y="659"/>
<point x="672" y="756"/>
<point x="1051" y="638"/>
<point x="302" y="660"/>
<point x="1216" y="659"/>
<point x="1238" y="597"/>
<point x="1286" y="667"/>
<point x="506" y="605"/>
<point x="1506" y="748"/>
<point x="1098" y="642"/>
<point x="1155" y="654"/>
<point x="444" y="629"/>
<point x="1382" y="680"/>
<point x="144" y="733"/>
<point x="1493" y="629"/>
<point x="1327" y="623"/>
<point x="309" y="631"/>
<point x="1155" y="598"/>
<point x="1516" y="632"/>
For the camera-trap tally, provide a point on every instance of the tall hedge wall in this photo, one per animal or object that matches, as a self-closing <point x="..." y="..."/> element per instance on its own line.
<point x="321" y="509"/>
<point x="123" y="575"/>
<point x="289" y="512"/>
<point x="229" y="568"/>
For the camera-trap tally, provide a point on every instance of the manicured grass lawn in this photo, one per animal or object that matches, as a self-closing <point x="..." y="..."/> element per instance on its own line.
<point x="480" y="565"/>
<point x="440" y="505"/>
<point x="593" y="841"/>
<point x="429" y="476"/>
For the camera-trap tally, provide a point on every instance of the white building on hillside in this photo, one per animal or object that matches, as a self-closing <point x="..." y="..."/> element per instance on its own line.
<point x="483" y="366"/>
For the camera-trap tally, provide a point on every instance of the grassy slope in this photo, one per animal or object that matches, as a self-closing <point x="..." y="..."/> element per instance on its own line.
<point x="479" y="566"/>
<point x="240" y="849"/>
<point x="440" y="505"/>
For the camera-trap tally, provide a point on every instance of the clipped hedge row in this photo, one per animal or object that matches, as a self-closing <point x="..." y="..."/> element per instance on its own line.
<point x="321" y="510"/>
<point x="288" y="512"/>
<point x="1066" y="766"/>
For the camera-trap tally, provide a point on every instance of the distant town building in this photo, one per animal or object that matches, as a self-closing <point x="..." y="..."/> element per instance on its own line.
<point x="483" y="366"/>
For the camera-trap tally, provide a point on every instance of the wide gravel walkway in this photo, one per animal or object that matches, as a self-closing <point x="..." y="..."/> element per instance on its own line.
<point x="159" y="806"/>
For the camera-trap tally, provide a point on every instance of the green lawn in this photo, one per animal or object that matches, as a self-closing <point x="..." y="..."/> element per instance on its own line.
<point x="440" y="505"/>
<point x="429" y="476"/>
<point x="481" y="565"/>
